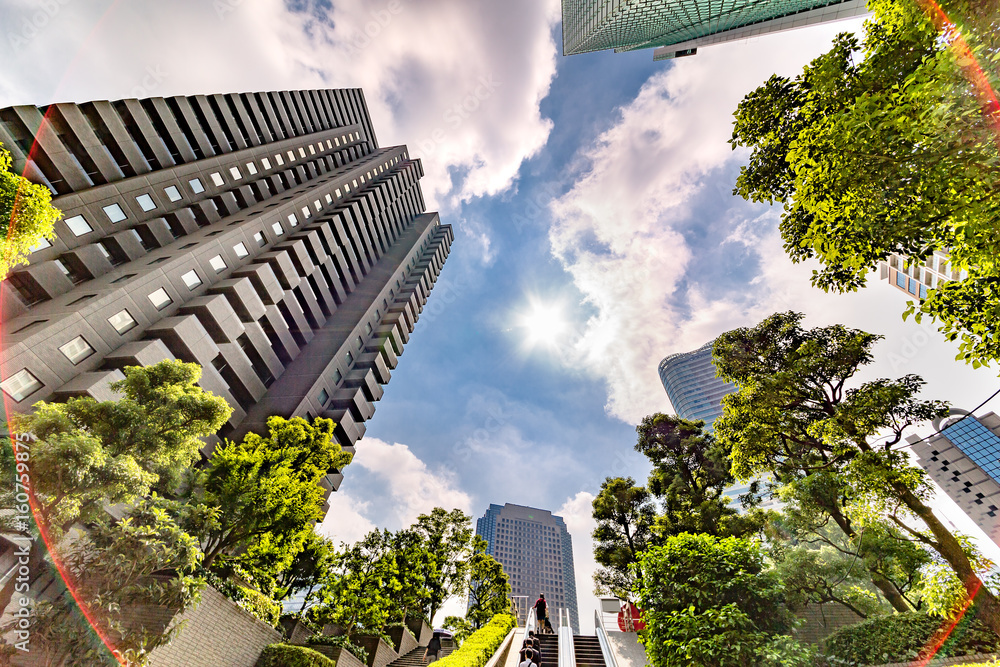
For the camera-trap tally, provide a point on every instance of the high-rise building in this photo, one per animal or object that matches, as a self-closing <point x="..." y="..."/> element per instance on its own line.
<point x="915" y="278"/>
<point x="964" y="460"/>
<point x="694" y="390"/>
<point x="536" y="552"/>
<point x="679" y="27"/>
<point x="265" y="236"/>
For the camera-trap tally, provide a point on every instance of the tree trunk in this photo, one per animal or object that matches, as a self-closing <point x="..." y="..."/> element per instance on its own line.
<point x="987" y="606"/>
<point x="886" y="587"/>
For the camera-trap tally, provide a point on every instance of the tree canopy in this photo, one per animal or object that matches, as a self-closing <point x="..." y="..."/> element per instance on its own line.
<point x="26" y="215"/>
<point x="625" y="514"/>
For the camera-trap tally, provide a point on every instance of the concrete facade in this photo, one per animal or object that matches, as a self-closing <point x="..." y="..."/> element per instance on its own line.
<point x="536" y="552"/>
<point x="265" y="236"/>
<point x="964" y="460"/>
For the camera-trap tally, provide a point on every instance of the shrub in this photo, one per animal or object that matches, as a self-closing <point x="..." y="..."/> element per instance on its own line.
<point x="253" y="602"/>
<point x="905" y="637"/>
<point x="286" y="655"/>
<point x="343" y="641"/>
<point x="481" y="644"/>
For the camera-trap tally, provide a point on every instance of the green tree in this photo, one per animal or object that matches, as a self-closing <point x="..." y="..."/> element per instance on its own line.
<point x="260" y="497"/>
<point x="625" y="515"/>
<point x="360" y="588"/>
<point x="26" y="215"/>
<point x="890" y="145"/>
<point x="447" y="536"/>
<point x="414" y="564"/>
<point x="460" y="627"/>
<point x="794" y="415"/>
<point x="691" y="472"/>
<point x="711" y="601"/>
<point x="144" y="559"/>
<point x="489" y="586"/>
<point x="307" y="570"/>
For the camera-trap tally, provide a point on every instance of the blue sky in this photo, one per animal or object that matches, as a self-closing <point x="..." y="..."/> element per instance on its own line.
<point x="591" y="198"/>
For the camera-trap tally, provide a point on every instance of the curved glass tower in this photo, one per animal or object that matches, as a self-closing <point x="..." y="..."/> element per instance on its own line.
<point x="692" y="386"/>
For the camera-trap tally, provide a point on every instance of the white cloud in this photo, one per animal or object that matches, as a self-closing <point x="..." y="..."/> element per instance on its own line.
<point x="346" y="521"/>
<point x="577" y="512"/>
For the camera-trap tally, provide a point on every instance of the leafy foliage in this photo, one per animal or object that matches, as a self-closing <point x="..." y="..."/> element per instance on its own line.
<point x="447" y="537"/>
<point x="343" y="641"/>
<point x="286" y="655"/>
<point x="479" y="647"/>
<point x="489" y="586"/>
<point x="26" y="215"/>
<point x="710" y="600"/>
<point x="625" y="515"/>
<point x="906" y="637"/>
<point x="890" y="145"/>
<point x="460" y="628"/>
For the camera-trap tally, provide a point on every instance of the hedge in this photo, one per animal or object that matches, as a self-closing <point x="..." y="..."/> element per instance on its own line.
<point x="905" y="637"/>
<point x="286" y="655"/>
<point x="343" y="641"/>
<point x="480" y="646"/>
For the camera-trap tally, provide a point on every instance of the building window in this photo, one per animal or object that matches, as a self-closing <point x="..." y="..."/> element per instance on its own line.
<point x="267" y="163"/>
<point x="319" y="207"/>
<point x="251" y="168"/>
<point x="218" y="263"/>
<point x="191" y="279"/>
<point x="122" y="321"/>
<point x="292" y="220"/>
<point x="338" y="377"/>
<point x="329" y="144"/>
<point x="901" y="280"/>
<point x="305" y="212"/>
<point x="196" y="186"/>
<point x="329" y="199"/>
<point x="173" y="194"/>
<point x="160" y="299"/>
<point x="20" y="385"/>
<point x="338" y="193"/>
<point x="278" y="231"/>
<point x="368" y="328"/>
<point x="123" y="278"/>
<point x="241" y="250"/>
<point x="114" y="213"/>
<point x="355" y="183"/>
<point x="302" y="152"/>
<point x="336" y="141"/>
<point x="912" y="286"/>
<point x="280" y="160"/>
<point x="145" y="202"/>
<point x="291" y="156"/>
<point x="360" y="342"/>
<point x="235" y="173"/>
<point x="77" y="350"/>
<point x="217" y="179"/>
<point x="349" y="358"/>
<point x="42" y="244"/>
<point x="259" y="238"/>
<point x="79" y="225"/>
<point x="323" y="397"/>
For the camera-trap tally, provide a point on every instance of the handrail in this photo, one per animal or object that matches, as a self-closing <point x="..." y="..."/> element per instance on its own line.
<point x="602" y="638"/>
<point x="567" y="656"/>
<point x="531" y="623"/>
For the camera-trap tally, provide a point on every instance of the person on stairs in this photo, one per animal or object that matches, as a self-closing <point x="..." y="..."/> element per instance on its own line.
<point x="433" y="648"/>
<point x="541" y="614"/>
<point x="530" y="653"/>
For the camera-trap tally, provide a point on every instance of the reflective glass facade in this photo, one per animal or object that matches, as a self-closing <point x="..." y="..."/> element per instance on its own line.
<point x="692" y="386"/>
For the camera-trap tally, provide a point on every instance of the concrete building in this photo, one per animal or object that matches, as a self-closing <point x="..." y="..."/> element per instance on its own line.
<point x="536" y="552"/>
<point x="695" y="392"/>
<point x="915" y="278"/>
<point x="265" y="236"/>
<point x="964" y="460"/>
<point x="679" y="28"/>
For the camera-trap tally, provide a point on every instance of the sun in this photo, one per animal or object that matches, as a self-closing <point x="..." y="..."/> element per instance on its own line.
<point x="543" y="323"/>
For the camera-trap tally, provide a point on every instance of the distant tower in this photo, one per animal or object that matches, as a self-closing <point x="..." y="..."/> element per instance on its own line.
<point x="964" y="460"/>
<point x="536" y="552"/>
<point x="915" y="278"/>
<point x="692" y="386"/>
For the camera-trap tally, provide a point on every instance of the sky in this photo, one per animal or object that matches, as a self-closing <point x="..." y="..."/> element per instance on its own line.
<point x="595" y="227"/>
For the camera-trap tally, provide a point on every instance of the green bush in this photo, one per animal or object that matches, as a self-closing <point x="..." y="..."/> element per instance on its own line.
<point x="480" y="645"/>
<point x="286" y="655"/>
<point x="343" y="641"/>
<point x="253" y="602"/>
<point x="905" y="637"/>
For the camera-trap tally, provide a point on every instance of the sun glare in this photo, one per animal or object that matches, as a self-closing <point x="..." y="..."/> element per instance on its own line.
<point x="543" y="323"/>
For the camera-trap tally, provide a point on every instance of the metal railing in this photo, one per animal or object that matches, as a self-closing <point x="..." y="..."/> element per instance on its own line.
<point x="567" y="656"/>
<point x="531" y="623"/>
<point x="602" y="639"/>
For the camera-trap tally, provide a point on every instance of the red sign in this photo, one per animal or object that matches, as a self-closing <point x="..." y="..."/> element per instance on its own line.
<point x="630" y="618"/>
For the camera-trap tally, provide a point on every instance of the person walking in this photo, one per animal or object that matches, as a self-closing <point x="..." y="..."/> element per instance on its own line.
<point x="541" y="612"/>
<point x="433" y="648"/>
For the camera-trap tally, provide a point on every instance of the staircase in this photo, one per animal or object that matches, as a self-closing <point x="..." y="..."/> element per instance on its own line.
<point x="549" y="646"/>
<point x="587" y="650"/>
<point x="415" y="658"/>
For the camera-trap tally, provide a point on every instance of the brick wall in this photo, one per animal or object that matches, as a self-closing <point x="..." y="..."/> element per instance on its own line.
<point x="402" y="640"/>
<point x="380" y="654"/>
<point x="944" y="662"/>
<point x="218" y="633"/>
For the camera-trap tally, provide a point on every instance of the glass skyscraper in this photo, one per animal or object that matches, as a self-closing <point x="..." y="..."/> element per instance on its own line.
<point x="678" y="27"/>
<point x="692" y="386"/>
<point x="536" y="552"/>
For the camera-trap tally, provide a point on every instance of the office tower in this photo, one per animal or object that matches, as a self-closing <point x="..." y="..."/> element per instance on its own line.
<point x="679" y="27"/>
<point x="536" y="552"/>
<point x="964" y="460"/>
<point x="915" y="278"/>
<point x="692" y="386"/>
<point x="265" y="236"/>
